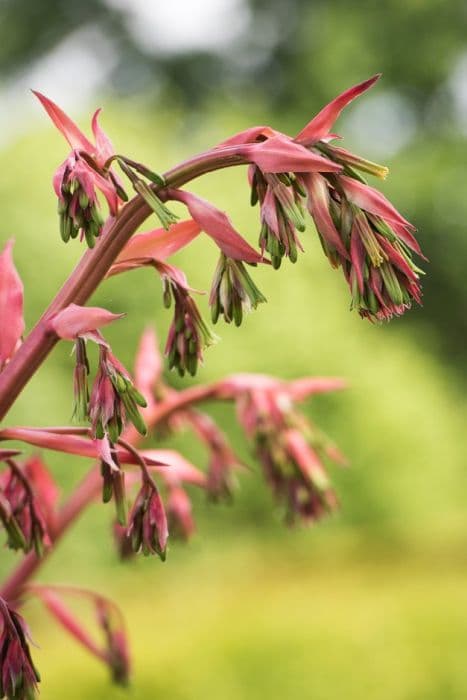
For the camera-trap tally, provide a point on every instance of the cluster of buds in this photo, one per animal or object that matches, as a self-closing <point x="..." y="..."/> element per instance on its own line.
<point x="20" y="512"/>
<point x="78" y="207"/>
<point x="18" y="675"/>
<point x="84" y="172"/>
<point x="188" y="334"/>
<point x="289" y="448"/>
<point x="361" y="231"/>
<point x="281" y="201"/>
<point x="147" y="530"/>
<point x="233" y="292"/>
<point x="114" y="399"/>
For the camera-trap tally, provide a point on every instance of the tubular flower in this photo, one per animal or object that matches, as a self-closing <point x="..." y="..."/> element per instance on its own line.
<point x="18" y="675"/>
<point x="188" y="333"/>
<point x="361" y="231"/>
<point x="280" y="198"/>
<point x="114" y="399"/>
<point x="82" y="173"/>
<point x="233" y="292"/>
<point x="147" y="529"/>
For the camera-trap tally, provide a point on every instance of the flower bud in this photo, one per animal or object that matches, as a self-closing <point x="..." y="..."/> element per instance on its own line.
<point x="18" y="675"/>
<point x="233" y="291"/>
<point x="147" y="529"/>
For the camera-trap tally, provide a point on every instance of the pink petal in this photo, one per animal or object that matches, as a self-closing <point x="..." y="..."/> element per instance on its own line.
<point x="68" y="620"/>
<point x="105" y="186"/>
<point x="321" y="124"/>
<point x="369" y="199"/>
<point x="104" y="147"/>
<point x="357" y="255"/>
<point x="148" y="363"/>
<point x="318" y="206"/>
<point x="408" y="238"/>
<point x="307" y="459"/>
<point x="65" y="125"/>
<point x="217" y="225"/>
<point x="249" y="136"/>
<point x="176" y="275"/>
<point x="59" y="440"/>
<point x="281" y="155"/>
<point x="11" y="305"/>
<point x="396" y="258"/>
<point x="160" y="244"/>
<point x="75" y="321"/>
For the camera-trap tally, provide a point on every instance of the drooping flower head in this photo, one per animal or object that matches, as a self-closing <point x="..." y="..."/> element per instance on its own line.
<point x="290" y="448"/>
<point x="24" y="506"/>
<point x="113" y="398"/>
<point x="78" y="178"/>
<point x="18" y="675"/>
<point x="359" y="229"/>
<point x="148" y="530"/>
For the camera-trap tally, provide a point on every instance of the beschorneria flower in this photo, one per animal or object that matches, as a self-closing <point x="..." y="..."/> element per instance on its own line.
<point x="81" y="175"/>
<point x="113" y="398"/>
<point x="18" y="675"/>
<point x="359" y="229"/>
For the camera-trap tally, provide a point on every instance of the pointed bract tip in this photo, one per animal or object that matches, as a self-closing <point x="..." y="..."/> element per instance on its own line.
<point x="64" y="124"/>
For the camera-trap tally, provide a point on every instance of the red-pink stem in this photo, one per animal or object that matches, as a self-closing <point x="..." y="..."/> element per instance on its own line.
<point x="92" y="269"/>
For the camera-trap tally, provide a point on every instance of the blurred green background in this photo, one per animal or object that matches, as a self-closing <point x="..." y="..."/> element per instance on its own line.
<point x="374" y="599"/>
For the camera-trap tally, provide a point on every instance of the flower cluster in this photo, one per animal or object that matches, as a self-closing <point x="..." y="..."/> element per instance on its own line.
<point x="18" y="675"/>
<point x="289" y="447"/>
<point x="113" y="399"/>
<point x="81" y="175"/>
<point x="358" y="227"/>
<point x="25" y="503"/>
<point x="148" y="530"/>
<point x="188" y="334"/>
<point x="233" y="292"/>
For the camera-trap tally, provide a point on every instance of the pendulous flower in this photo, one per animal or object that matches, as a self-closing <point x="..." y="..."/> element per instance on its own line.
<point x="18" y="675"/>
<point x="147" y="529"/>
<point x="78" y="178"/>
